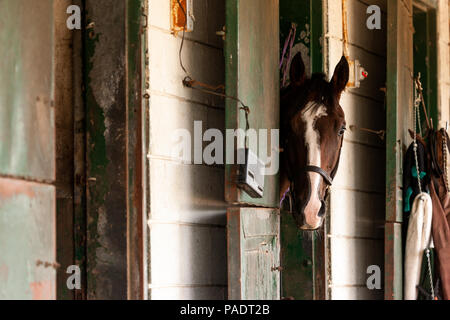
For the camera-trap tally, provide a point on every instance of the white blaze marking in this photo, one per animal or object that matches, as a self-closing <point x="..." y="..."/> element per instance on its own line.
<point x="310" y="115"/>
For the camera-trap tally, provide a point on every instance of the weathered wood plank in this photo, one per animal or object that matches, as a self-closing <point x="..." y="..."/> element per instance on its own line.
<point x="393" y="262"/>
<point x="253" y="254"/>
<point x="399" y="106"/>
<point x="252" y="75"/>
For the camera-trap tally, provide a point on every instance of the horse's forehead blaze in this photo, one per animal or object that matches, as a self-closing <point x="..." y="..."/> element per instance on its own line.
<point x="310" y="115"/>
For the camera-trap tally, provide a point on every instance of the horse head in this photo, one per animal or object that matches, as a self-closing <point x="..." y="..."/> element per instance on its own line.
<point x="312" y="133"/>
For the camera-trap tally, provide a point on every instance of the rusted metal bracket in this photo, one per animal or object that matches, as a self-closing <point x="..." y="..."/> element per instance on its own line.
<point x="280" y="268"/>
<point x="380" y="133"/>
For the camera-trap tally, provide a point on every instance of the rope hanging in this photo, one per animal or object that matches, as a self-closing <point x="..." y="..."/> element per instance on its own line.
<point x="418" y="99"/>
<point x="284" y="63"/>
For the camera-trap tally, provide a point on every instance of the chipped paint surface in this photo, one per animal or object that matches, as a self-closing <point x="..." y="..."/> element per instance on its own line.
<point x="43" y="290"/>
<point x="27" y="235"/>
<point x="27" y="151"/>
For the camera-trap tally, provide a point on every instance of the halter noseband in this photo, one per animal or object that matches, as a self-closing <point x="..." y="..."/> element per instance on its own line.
<point x="326" y="177"/>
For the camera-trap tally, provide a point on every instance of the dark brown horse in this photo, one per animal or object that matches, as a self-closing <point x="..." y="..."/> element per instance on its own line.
<point x="312" y="133"/>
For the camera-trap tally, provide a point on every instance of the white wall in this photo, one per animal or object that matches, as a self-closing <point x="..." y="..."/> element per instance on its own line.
<point x="443" y="61"/>
<point x="357" y="202"/>
<point x="187" y="210"/>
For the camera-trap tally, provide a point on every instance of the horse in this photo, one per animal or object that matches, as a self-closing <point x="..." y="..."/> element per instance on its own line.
<point x="311" y="137"/>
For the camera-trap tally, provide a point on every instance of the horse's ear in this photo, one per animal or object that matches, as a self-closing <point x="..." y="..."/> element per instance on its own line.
<point x="297" y="72"/>
<point x="340" y="76"/>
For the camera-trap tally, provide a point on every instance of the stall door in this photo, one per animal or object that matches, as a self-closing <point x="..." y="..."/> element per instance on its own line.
<point x="27" y="151"/>
<point x="252" y="76"/>
<point x="253" y="254"/>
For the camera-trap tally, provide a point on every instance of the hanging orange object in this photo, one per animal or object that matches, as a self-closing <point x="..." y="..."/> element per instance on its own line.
<point x="182" y="16"/>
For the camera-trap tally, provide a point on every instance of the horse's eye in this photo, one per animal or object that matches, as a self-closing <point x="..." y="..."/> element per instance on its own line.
<point x="342" y="131"/>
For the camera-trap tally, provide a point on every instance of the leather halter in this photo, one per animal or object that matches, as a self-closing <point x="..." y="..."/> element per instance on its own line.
<point x="326" y="177"/>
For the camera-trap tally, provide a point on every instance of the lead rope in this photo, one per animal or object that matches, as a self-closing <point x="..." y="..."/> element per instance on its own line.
<point x="416" y="118"/>
<point x="285" y="60"/>
<point x="444" y="154"/>
<point x="284" y="64"/>
<point x="427" y="250"/>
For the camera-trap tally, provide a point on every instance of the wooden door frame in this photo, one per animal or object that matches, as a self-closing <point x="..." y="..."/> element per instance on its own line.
<point x="396" y="139"/>
<point x="429" y="8"/>
<point x="113" y="213"/>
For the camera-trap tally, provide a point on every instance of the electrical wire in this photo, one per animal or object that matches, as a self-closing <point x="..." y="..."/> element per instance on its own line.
<point x="189" y="82"/>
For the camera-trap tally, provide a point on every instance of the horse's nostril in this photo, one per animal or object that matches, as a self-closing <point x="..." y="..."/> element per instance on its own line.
<point x="322" y="209"/>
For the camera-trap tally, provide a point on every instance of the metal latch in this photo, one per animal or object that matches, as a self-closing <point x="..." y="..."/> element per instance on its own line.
<point x="280" y="268"/>
<point x="221" y="33"/>
<point x="251" y="173"/>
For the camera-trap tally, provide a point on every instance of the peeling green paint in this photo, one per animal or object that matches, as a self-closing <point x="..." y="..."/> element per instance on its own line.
<point x="26" y="90"/>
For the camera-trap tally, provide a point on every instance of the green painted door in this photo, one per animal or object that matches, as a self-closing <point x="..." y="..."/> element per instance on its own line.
<point x="253" y="254"/>
<point x="251" y="60"/>
<point x="27" y="151"/>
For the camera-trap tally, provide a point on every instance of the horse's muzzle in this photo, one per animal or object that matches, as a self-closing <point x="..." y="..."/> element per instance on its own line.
<point x="314" y="220"/>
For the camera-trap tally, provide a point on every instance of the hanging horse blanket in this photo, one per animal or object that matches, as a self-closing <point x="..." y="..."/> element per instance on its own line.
<point x="441" y="237"/>
<point x="410" y="185"/>
<point x="441" y="209"/>
<point x="410" y="182"/>
<point x="417" y="240"/>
